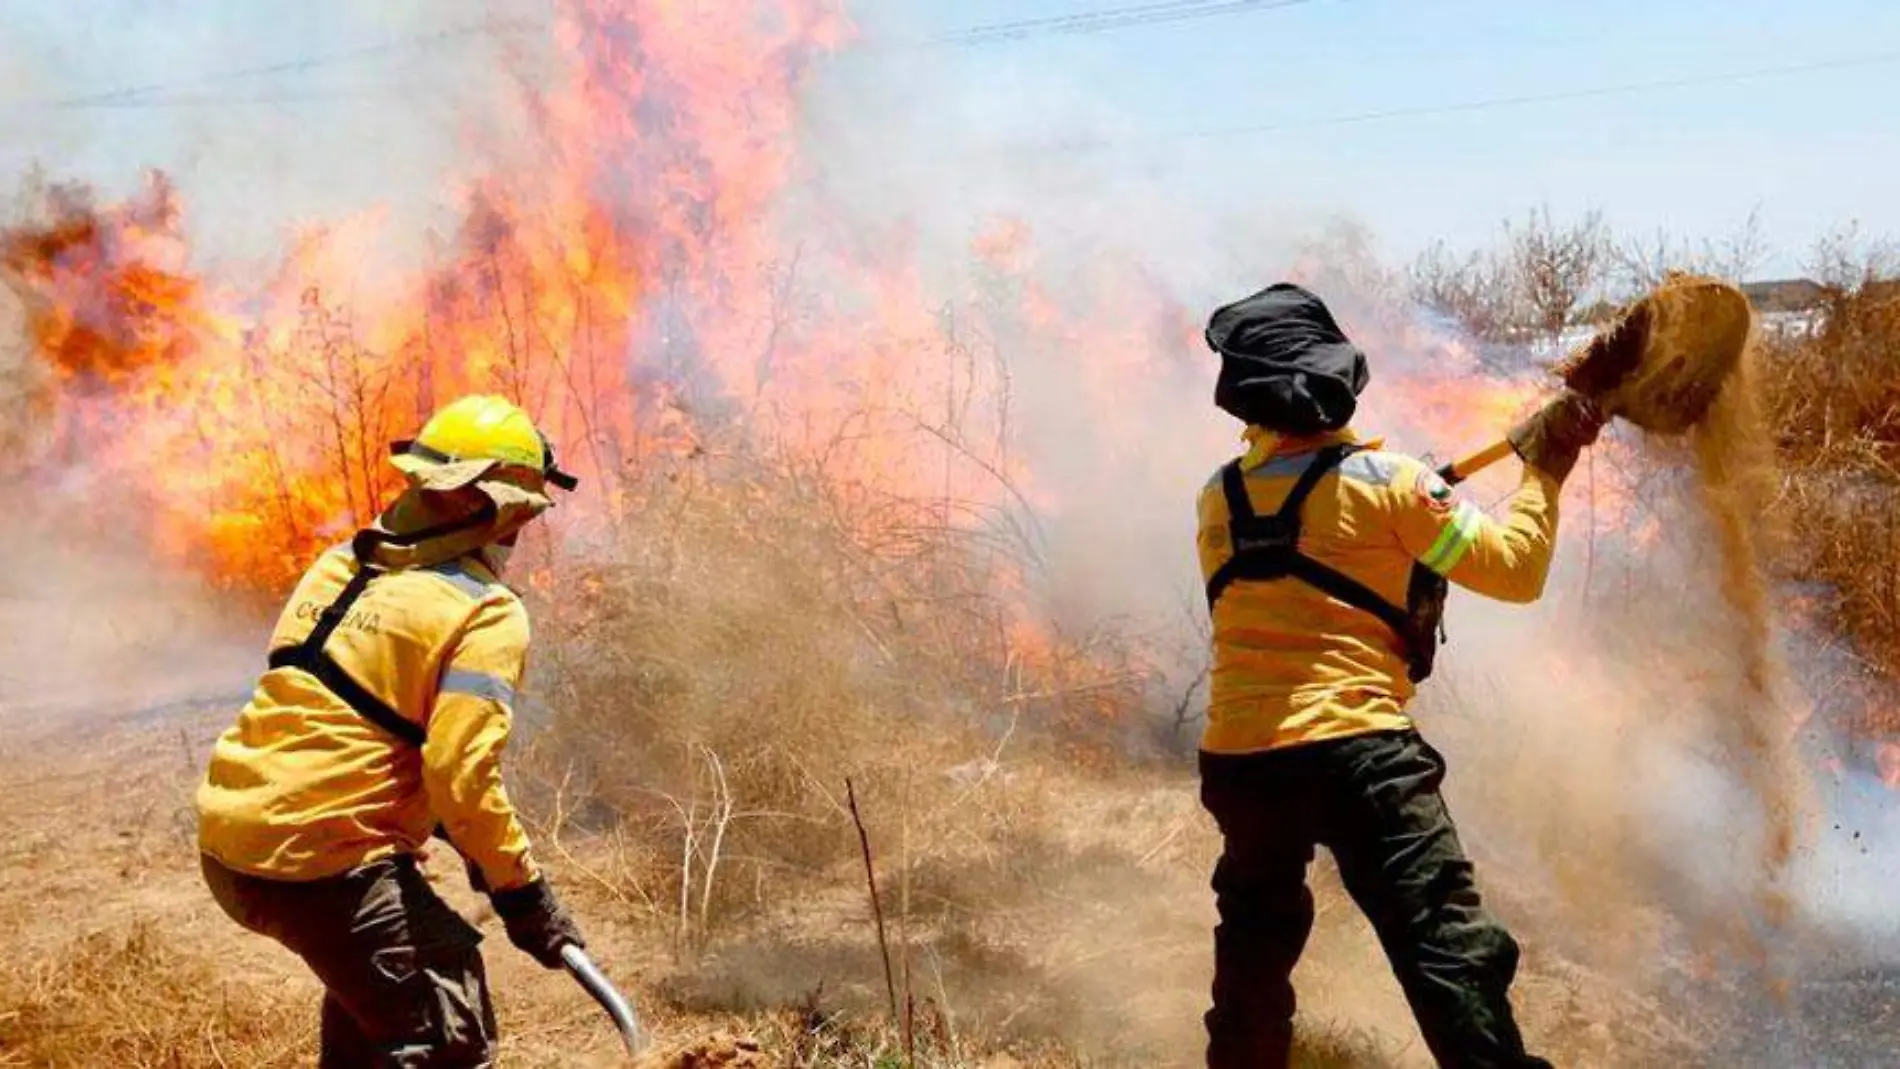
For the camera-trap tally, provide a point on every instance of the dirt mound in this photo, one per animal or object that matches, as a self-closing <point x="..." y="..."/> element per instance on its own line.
<point x="716" y="1051"/>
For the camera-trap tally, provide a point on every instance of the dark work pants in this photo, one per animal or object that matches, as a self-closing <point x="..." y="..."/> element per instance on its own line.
<point x="402" y="972"/>
<point x="1373" y="801"/>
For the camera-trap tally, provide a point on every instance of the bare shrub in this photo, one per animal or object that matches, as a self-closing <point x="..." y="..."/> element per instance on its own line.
<point x="1528" y="287"/>
<point x="1476" y="291"/>
<point x="1834" y="401"/>
<point x="1556" y="265"/>
<point x="1644" y="262"/>
<point x="756" y="634"/>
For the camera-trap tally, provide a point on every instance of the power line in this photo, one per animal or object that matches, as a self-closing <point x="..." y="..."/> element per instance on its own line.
<point x="1086" y="22"/>
<point x="268" y="98"/>
<point x="153" y="94"/>
<point x="164" y="94"/>
<point x="1529" y="99"/>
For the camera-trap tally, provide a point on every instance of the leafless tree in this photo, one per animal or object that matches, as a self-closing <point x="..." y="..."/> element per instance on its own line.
<point x="1846" y="260"/>
<point x="1642" y="263"/>
<point x="1477" y="291"/>
<point x="1556" y="266"/>
<point x="1533" y="283"/>
<point x="1343" y="257"/>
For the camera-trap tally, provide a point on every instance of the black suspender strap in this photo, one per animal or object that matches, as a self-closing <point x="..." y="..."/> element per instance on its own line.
<point x="1267" y="548"/>
<point x="1339" y="585"/>
<point x="349" y="691"/>
<point x="1233" y="486"/>
<point x="310" y="655"/>
<point x="336" y="612"/>
<point x="1259" y="558"/>
<point x="1264" y="547"/>
<point x="1323" y="464"/>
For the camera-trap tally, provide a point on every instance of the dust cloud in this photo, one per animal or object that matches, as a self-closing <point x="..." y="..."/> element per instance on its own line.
<point x="95" y="631"/>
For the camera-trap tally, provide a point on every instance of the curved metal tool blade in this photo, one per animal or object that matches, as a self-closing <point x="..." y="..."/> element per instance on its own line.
<point x="596" y="984"/>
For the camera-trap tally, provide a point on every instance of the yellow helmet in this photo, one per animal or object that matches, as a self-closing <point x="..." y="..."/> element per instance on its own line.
<point x="472" y="436"/>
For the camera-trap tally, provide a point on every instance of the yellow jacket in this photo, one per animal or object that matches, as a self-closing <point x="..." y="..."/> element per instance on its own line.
<point x="304" y="787"/>
<point x="1292" y="665"/>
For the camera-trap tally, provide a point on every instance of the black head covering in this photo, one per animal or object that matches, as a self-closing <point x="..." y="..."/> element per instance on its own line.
<point x="1285" y="364"/>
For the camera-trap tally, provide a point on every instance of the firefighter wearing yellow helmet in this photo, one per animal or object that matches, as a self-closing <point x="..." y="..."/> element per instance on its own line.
<point x="381" y="722"/>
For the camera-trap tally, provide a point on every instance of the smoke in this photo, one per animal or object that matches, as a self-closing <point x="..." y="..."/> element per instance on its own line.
<point x="99" y="637"/>
<point x="276" y="117"/>
<point x="98" y="632"/>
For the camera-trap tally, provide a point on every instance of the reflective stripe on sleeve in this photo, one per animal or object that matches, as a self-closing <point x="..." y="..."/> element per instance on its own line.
<point x="477" y="685"/>
<point x="1454" y="540"/>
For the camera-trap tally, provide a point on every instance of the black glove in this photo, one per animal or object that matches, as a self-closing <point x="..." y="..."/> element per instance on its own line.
<point x="1552" y="438"/>
<point x="537" y="923"/>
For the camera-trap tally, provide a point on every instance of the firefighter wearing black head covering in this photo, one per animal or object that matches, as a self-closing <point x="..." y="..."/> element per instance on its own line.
<point x="1326" y="559"/>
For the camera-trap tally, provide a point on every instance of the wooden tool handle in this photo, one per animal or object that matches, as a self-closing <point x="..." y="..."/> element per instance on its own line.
<point x="1459" y="470"/>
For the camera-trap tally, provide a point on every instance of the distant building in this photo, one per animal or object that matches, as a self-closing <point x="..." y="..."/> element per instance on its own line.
<point x="1785" y="296"/>
<point x="1796" y="306"/>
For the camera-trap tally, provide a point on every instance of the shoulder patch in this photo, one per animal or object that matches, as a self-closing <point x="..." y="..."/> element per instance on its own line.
<point x="1433" y="492"/>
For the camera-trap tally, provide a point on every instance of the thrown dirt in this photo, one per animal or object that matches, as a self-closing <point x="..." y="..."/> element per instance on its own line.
<point x="1735" y="468"/>
<point x="1668" y="357"/>
<point x="1681" y="359"/>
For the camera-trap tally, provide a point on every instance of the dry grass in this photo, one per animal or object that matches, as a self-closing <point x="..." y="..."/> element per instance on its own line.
<point x="1073" y="938"/>
<point x="94" y="1003"/>
<point x="121" y="959"/>
<point x="1834" y="402"/>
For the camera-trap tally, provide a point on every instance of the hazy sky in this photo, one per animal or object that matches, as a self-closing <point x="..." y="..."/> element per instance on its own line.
<point x="1812" y="149"/>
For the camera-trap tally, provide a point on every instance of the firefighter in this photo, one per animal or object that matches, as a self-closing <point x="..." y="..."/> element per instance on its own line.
<point x="381" y="722"/>
<point x="1326" y="559"/>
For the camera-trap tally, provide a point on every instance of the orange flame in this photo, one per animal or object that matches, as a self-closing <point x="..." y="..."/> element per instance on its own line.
<point x="657" y="158"/>
<point x="106" y="291"/>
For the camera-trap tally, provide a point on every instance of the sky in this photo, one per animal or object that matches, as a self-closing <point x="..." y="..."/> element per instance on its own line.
<point x="1811" y="151"/>
<point x="1245" y="107"/>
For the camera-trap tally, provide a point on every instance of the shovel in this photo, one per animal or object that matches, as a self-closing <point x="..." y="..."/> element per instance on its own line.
<point x="1660" y="365"/>
<point x="596" y="984"/>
